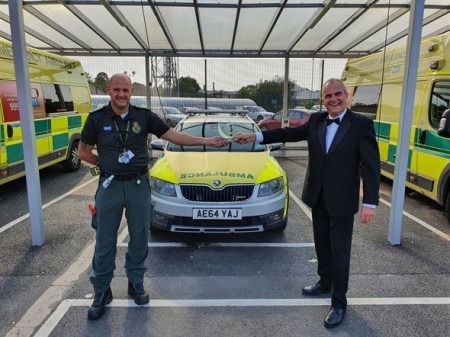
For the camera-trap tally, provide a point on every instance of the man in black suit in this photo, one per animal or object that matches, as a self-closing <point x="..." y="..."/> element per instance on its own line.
<point x="342" y="148"/>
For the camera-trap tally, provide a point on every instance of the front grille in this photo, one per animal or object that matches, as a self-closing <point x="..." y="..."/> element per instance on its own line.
<point x="230" y="193"/>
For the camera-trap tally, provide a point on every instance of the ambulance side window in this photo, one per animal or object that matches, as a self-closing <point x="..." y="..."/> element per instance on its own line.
<point x="67" y="97"/>
<point x="57" y="98"/>
<point x="440" y="101"/>
<point x="365" y="100"/>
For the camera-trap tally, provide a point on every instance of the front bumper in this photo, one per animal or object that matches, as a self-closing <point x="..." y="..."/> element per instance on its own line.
<point x="175" y="214"/>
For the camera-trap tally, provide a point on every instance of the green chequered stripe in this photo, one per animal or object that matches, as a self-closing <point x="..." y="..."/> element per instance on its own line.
<point x="60" y="141"/>
<point x="383" y="130"/>
<point x="392" y="151"/>
<point x="74" y="122"/>
<point x="42" y="127"/>
<point x="436" y="145"/>
<point x="14" y="153"/>
<point x="417" y="133"/>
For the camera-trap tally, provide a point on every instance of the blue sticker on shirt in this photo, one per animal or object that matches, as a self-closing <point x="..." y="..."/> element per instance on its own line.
<point x="107" y="128"/>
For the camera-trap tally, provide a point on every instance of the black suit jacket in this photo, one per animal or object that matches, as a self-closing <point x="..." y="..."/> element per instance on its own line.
<point x="353" y="154"/>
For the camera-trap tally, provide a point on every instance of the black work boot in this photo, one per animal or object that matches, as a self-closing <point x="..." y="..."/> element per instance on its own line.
<point x="136" y="290"/>
<point x="97" y="308"/>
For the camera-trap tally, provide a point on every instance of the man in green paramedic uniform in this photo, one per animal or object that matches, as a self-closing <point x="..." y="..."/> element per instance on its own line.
<point x="120" y="132"/>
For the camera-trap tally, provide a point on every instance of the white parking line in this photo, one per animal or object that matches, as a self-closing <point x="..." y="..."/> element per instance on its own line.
<point x="307" y="211"/>
<point x="47" y="328"/>
<point x="35" y="314"/>
<point x="301" y="204"/>
<point x="26" y="216"/>
<point x="43" y="306"/>
<point x="421" y="222"/>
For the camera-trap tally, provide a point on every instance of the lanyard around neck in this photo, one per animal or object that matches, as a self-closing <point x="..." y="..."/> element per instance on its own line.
<point x="123" y="141"/>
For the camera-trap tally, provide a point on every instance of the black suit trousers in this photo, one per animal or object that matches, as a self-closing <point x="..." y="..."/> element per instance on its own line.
<point x="333" y="240"/>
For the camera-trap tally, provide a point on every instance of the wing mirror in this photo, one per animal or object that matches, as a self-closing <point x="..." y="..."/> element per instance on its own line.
<point x="275" y="146"/>
<point x="157" y="144"/>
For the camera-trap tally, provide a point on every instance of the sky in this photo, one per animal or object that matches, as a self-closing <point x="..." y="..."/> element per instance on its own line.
<point x="224" y="74"/>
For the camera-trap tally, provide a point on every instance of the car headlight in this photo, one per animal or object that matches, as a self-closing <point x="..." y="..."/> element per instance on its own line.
<point x="162" y="187"/>
<point x="271" y="187"/>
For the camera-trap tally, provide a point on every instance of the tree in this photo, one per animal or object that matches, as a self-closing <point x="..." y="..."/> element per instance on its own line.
<point x="188" y="87"/>
<point x="101" y="80"/>
<point x="268" y="94"/>
<point x="248" y="91"/>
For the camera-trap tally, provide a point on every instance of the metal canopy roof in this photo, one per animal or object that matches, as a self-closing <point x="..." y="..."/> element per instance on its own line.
<point x="225" y="28"/>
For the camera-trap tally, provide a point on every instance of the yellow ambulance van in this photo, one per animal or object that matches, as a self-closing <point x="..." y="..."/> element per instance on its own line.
<point x="375" y="85"/>
<point x="61" y="102"/>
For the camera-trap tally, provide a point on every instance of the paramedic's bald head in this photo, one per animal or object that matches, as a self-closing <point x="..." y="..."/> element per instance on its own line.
<point x="120" y="90"/>
<point x="119" y="76"/>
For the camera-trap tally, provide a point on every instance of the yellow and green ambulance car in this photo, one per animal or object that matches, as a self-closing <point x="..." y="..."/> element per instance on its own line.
<point x="61" y="102"/>
<point x="239" y="188"/>
<point x="375" y="86"/>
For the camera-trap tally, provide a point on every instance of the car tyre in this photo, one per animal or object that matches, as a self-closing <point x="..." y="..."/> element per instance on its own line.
<point x="72" y="163"/>
<point x="264" y="128"/>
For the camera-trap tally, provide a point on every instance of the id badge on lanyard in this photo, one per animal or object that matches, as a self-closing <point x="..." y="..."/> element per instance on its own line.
<point x="126" y="156"/>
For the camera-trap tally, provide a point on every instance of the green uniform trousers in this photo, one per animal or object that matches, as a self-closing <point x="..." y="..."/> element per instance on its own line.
<point x="110" y="203"/>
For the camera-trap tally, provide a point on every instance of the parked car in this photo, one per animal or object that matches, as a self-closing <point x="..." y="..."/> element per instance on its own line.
<point x="239" y="188"/>
<point x="170" y="115"/>
<point x="318" y="108"/>
<point x="296" y="117"/>
<point x="256" y="112"/>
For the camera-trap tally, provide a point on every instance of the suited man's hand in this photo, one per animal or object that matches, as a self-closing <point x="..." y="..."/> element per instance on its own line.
<point x="244" y="138"/>
<point x="367" y="214"/>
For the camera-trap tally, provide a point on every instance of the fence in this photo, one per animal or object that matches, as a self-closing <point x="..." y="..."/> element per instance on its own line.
<point x="257" y="79"/>
<point x="227" y="78"/>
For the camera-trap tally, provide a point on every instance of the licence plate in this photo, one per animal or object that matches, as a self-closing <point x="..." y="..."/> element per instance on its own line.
<point x="217" y="213"/>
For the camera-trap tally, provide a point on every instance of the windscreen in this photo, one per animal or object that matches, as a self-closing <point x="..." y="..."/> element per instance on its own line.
<point x="212" y="129"/>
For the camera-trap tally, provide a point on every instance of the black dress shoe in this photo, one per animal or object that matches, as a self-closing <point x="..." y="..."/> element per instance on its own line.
<point x="100" y="301"/>
<point x="315" y="289"/>
<point x="137" y="291"/>
<point x="334" y="317"/>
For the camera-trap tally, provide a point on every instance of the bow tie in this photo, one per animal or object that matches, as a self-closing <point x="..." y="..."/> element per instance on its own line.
<point x="330" y="121"/>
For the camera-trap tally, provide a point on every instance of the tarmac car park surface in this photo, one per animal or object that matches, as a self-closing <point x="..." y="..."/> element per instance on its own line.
<point x="220" y="285"/>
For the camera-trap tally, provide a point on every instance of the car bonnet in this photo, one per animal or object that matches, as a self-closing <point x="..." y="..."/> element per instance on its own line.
<point x="208" y="167"/>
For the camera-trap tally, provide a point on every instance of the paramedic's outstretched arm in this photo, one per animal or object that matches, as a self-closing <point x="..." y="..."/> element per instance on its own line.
<point x="182" y="138"/>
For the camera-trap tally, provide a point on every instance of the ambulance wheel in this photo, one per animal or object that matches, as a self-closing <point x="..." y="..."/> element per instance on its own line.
<point x="72" y="163"/>
<point x="447" y="207"/>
